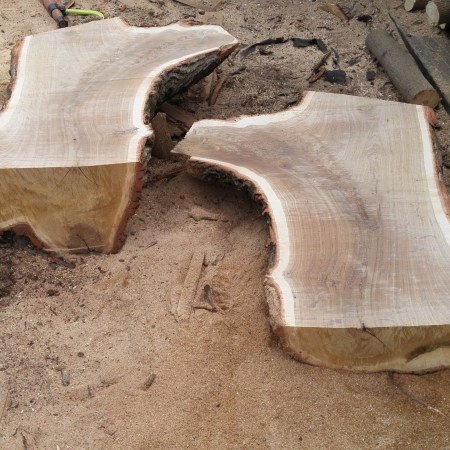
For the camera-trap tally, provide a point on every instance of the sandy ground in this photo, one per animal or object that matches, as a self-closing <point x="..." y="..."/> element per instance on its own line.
<point x="91" y="355"/>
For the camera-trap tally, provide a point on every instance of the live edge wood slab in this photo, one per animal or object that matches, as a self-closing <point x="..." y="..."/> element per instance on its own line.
<point x="72" y="135"/>
<point x="359" y="221"/>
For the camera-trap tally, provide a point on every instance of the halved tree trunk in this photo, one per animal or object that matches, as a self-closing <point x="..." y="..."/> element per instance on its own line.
<point x="359" y="219"/>
<point x="72" y="136"/>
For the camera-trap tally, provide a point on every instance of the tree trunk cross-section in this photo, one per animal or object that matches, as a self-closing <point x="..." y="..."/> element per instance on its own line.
<point x="72" y="136"/>
<point x="359" y="219"/>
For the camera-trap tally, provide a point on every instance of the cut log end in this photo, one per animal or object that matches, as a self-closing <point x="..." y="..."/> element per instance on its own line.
<point x="414" y="5"/>
<point x="438" y="12"/>
<point x="427" y="97"/>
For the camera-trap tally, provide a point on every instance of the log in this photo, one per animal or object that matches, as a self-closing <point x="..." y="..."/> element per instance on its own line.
<point x="438" y="12"/>
<point x="432" y="54"/>
<point x="360" y="223"/>
<point x="401" y="69"/>
<point x="73" y="134"/>
<point x="414" y="5"/>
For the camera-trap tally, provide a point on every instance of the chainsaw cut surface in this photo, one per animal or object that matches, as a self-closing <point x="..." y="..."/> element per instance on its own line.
<point x="360" y="224"/>
<point x="73" y="133"/>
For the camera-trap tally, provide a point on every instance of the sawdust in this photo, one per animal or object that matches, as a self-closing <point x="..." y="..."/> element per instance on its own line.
<point x="135" y="376"/>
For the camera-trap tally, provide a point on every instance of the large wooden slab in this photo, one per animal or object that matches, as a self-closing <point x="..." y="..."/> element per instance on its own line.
<point x="72" y="136"/>
<point x="360" y="222"/>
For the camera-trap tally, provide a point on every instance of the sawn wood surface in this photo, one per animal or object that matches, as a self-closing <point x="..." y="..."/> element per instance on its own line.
<point x="360" y="223"/>
<point x="72" y="135"/>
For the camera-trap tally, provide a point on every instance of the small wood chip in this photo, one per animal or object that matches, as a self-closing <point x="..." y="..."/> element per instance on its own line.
<point x="65" y="377"/>
<point x="336" y="10"/>
<point x="162" y="142"/>
<point x="148" y="382"/>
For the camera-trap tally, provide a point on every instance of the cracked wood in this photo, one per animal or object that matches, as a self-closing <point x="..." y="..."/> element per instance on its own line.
<point x="72" y="137"/>
<point x="359" y="218"/>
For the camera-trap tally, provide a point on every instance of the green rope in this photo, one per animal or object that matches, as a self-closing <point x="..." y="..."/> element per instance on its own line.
<point x="85" y="12"/>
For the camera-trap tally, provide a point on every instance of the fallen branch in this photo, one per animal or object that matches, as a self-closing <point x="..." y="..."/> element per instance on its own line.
<point x="215" y="94"/>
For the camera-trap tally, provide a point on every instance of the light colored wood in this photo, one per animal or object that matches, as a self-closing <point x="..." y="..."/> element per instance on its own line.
<point x="72" y="137"/>
<point x="401" y="69"/>
<point x="414" y="5"/>
<point x="336" y="10"/>
<point x="438" y="12"/>
<point x="359" y="219"/>
<point x="162" y="141"/>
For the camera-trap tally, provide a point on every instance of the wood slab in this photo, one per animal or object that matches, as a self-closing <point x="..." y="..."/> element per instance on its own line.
<point x="360" y="223"/>
<point x="72" y="137"/>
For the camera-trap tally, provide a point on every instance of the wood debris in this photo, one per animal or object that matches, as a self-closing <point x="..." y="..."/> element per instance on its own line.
<point x="162" y="140"/>
<point x="179" y="115"/>
<point x="201" y="91"/>
<point x="299" y="43"/>
<point x="149" y="382"/>
<point x="28" y="440"/>
<point x="209" y="303"/>
<point x="249" y="48"/>
<point x="215" y="94"/>
<point x="317" y="75"/>
<point x="412" y="397"/>
<point x="336" y="10"/>
<point x="189" y="289"/>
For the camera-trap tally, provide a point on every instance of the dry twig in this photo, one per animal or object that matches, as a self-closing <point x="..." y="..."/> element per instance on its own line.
<point x="408" y="394"/>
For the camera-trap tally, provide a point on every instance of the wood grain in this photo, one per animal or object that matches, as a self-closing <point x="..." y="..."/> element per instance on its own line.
<point x="360" y="223"/>
<point x="72" y="136"/>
